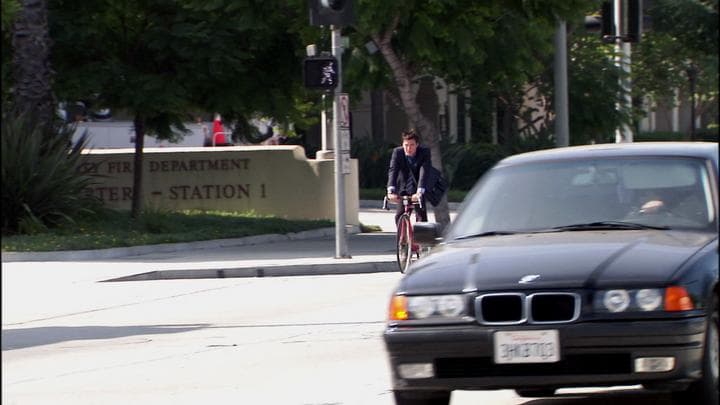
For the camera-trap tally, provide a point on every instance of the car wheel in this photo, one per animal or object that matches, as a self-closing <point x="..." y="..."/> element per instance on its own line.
<point x="535" y="392"/>
<point x="422" y="397"/>
<point x="705" y="391"/>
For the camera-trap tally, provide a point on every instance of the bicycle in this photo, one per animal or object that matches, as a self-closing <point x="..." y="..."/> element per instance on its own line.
<point x="406" y="246"/>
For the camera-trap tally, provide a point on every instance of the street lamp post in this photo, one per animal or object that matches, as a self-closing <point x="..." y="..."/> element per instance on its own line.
<point x="692" y="77"/>
<point x="623" y="52"/>
<point x="562" y="126"/>
<point x="622" y="24"/>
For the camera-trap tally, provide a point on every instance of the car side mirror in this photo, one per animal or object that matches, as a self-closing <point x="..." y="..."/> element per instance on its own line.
<point x="427" y="233"/>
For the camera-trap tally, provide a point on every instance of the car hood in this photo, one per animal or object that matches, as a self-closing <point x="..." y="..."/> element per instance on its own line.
<point x="579" y="259"/>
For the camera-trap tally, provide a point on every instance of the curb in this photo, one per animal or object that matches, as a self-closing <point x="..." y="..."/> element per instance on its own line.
<point x="268" y="271"/>
<point x="72" y="255"/>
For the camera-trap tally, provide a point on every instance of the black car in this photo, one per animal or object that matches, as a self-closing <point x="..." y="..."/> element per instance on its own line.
<point x="571" y="267"/>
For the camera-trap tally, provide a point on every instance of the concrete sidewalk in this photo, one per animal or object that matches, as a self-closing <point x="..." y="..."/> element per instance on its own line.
<point x="166" y="248"/>
<point x="304" y="253"/>
<point x="370" y="253"/>
<point x="312" y="253"/>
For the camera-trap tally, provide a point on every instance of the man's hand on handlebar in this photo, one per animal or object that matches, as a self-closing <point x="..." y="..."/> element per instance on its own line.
<point x="396" y="199"/>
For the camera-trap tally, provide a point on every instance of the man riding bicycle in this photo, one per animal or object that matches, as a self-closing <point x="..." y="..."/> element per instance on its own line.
<point x="406" y="174"/>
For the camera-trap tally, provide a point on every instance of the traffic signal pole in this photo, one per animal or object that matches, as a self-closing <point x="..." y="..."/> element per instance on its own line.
<point x="341" y="248"/>
<point x="336" y="14"/>
<point x="622" y="60"/>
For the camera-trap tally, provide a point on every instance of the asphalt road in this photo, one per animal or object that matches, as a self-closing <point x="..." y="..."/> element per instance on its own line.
<point x="69" y="338"/>
<point x="288" y="340"/>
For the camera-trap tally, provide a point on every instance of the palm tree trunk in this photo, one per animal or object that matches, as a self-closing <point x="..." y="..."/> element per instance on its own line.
<point x="424" y="127"/>
<point x="32" y="74"/>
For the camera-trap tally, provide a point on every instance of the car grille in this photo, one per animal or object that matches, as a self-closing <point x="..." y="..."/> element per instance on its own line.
<point x="470" y="367"/>
<point x="519" y="308"/>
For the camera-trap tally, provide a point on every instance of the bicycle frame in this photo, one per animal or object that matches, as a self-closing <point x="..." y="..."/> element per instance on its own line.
<point x="406" y="246"/>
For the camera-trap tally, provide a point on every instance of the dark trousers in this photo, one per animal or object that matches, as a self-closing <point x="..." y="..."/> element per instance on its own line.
<point x="422" y="212"/>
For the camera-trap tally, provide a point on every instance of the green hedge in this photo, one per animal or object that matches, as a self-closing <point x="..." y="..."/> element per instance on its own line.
<point x="473" y="162"/>
<point x="463" y="164"/>
<point x="373" y="160"/>
<point x="702" y="134"/>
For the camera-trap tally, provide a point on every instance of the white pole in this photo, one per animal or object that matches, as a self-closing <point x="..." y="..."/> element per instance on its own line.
<point x="341" y="250"/>
<point x="468" y="121"/>
<point x="562" y="127"/>
<point x="675" y="120"/>
<point x="624" y="133"/>
<point x="323" y="126"/>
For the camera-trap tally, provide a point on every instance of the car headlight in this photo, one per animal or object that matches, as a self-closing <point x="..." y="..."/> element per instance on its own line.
<point x="648" y="299"/>
<point x="616" y="300"/>
<point x="643" y="300"/>
<point x="426" y="306"/>
<point x="420" y="307"/>
<point x="450" y="305"/>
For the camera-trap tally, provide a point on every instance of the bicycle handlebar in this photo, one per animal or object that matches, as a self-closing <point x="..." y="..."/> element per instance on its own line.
<point x="405" y="200"/>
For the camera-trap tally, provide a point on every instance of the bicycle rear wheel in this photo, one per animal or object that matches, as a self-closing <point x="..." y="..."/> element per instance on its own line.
<point x="404" y="242"/>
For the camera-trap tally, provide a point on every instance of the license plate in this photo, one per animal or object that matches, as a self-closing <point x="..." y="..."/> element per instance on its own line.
<point x="532" y="346"/>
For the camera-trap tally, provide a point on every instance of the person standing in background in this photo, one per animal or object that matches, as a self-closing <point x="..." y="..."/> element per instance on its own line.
<point x="207" y="140"/>
<point x="218" y="137"/>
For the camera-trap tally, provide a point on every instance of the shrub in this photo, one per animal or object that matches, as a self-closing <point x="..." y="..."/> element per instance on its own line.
<point x="41" y="187"/>
<point x="463" y="163"/>
<point x="373" y="161"/>
<point x="659" y="136"/>
<point x="701" y="134"/>
<point x="474" y="162"/>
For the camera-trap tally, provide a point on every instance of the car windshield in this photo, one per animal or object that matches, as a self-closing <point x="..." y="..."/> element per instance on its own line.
<point x="620" y="193"/>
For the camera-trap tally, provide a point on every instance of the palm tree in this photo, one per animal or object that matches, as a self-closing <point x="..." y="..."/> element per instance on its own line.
<point x="32" y="75"/>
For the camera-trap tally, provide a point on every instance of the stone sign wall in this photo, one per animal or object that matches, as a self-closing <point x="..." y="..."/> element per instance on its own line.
<point x="270" y="180"/>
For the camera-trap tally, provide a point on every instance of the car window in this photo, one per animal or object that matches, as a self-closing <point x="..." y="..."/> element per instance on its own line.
<point x="667" y="192"/>
<point x="644" y="175"/>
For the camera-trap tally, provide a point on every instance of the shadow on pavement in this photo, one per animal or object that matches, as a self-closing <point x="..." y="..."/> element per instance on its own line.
<point x="616" y="397"/>
<point x="29" y="337"/>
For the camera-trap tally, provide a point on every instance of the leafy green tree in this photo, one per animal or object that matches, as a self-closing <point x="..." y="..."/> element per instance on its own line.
<point x="454" y="40"/>
<point x="683" y="39"/>
<point x="593" y="90"/>
<point x="9" y="10"/>
<point x="161" y="59"/>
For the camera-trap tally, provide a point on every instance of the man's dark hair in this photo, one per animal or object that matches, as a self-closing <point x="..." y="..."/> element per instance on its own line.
<point x="410" y="134"/>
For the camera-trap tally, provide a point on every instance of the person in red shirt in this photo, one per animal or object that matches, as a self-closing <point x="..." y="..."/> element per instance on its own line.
<point x="219" y="132"/>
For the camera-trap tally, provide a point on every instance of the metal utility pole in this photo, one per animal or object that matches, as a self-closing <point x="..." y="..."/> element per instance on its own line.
<point x="562" y="127"/>
<point x="341" y="249"/>
<point x="623" y="50"/>
<point x="336" y="14"/>
<point x="692" y="76"/>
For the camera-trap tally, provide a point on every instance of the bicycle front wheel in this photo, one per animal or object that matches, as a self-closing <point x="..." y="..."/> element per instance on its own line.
<point x="404" y="242"/>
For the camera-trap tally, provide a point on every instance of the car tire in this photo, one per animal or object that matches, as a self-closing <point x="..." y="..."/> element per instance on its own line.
<point x="535" y="392"/>
<point x="705" y="390"/>
<point x="422" y="397"/>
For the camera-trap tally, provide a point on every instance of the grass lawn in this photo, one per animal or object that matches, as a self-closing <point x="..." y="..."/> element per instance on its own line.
<point x="118" y="229"/>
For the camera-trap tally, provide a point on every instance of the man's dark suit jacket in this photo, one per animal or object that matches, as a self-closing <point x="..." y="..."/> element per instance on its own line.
<point x="399" y="172"/>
